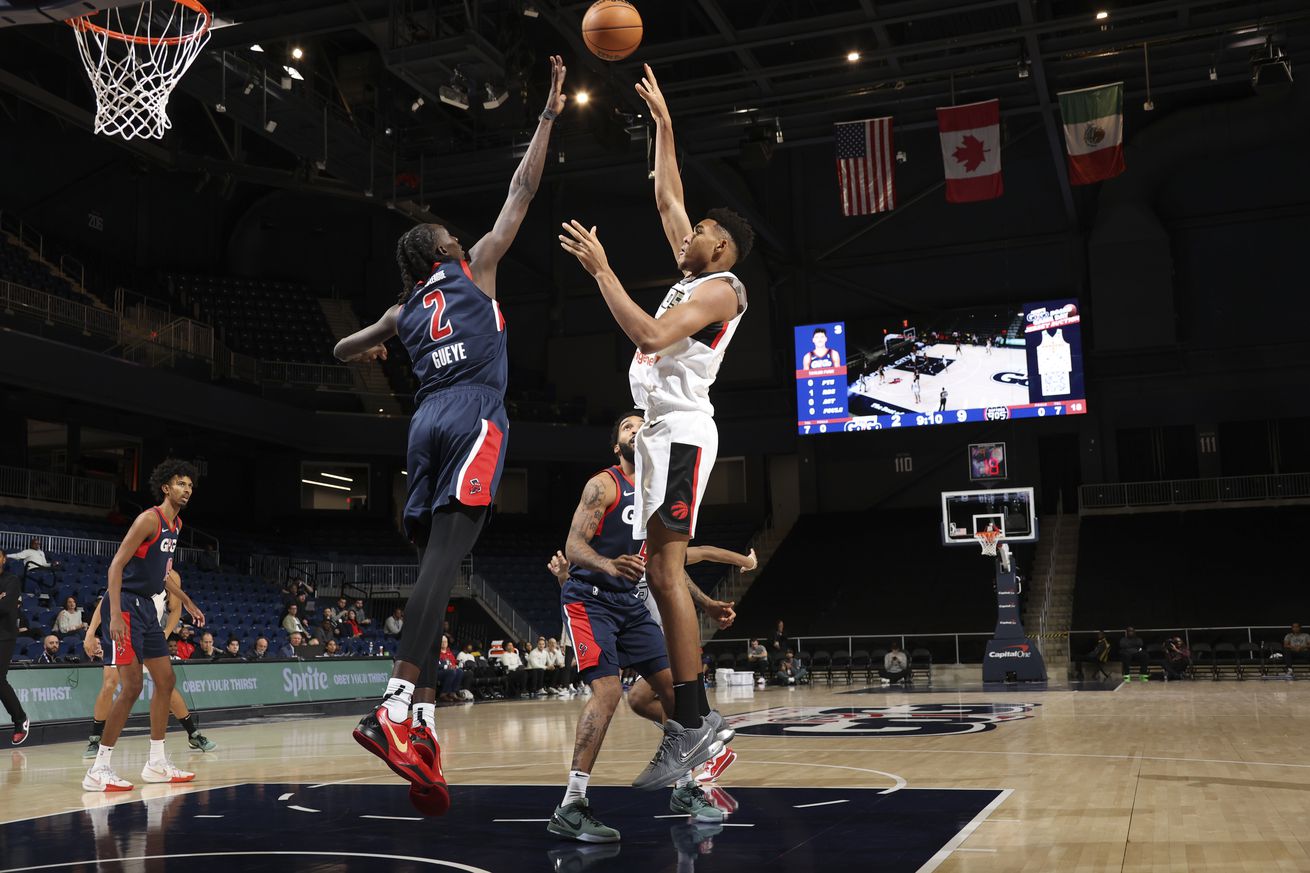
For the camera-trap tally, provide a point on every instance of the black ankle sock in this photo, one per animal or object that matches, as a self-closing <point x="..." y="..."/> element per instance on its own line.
<point x="97" y="728"/>
<point x="189" y="723"/>
<point x="686" y="704"/>
<point x="703" y="700"/>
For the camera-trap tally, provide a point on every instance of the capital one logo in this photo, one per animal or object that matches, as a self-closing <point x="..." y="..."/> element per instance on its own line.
<point x="917" y="719"/>
<point x="1019" y="650"/>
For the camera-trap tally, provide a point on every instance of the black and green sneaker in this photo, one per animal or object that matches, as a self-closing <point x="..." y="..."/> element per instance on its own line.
<point x="690" y="799"/>
<point x="92" y="747"/>
<point x="575" y="821"/>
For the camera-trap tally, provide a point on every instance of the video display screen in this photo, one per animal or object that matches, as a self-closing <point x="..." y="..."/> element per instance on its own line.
<point x="983" y="364"/>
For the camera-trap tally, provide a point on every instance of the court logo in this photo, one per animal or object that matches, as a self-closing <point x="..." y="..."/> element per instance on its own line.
<point x="917" y="719"/>
<point x="1011" y="378"/>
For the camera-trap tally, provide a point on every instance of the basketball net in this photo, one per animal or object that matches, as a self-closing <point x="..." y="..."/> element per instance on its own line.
<point x="989" y="540"/>
<point x="134" y="60"/>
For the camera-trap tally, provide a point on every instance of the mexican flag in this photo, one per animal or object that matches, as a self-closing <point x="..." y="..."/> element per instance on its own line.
<point x="1094" y="132"/>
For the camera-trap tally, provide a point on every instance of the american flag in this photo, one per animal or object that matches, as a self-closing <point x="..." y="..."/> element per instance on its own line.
<point x="865" y="166"/>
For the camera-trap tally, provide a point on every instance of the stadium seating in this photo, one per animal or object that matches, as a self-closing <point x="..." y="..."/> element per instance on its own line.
<point x="17" y="266"/>
<point x="273" y="321"/>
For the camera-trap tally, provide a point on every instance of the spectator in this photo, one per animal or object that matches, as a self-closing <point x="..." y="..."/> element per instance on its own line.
<point x="205" y="651"/>
<point x="512" y="664"/>
<point x="185" y="647"/>
<point x="69" y="620"/>
<point x="49" y="650"/>
<point x="260" y="651"/>
<point x="172" y="648"/>
<point x="758" y="656"/>
<point x="361" y="613"/>
<point x="231" y="651"/>
<point x="342" y="606"/>
<point x="34" y="558"/>
<point x="778" y="642"/>
<point x="1296" y="647"/>
<point x="291" y="621"/>
<point x="1133" y="651"/>
<point x="456" y="684"/>
<point x="11" y="600"/>
<point x="331" y="649"/>
<point x="1098" y="656"/>
<point x="291" y="649"/>
<point x="539" y="676"/>
<point x="350" y="625"/>
<point x="790" y="671"/>
<point x="1177" y="658"/>
<point x="895" y="666"/>
<point x="209" y="559"/>
<point x="706" y="664"/>
<point x="564" y="672"/>
<point x="395" y="623"/>
<point x="329" y="629"/>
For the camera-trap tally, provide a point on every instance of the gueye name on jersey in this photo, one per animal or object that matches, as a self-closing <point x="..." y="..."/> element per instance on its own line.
<point x="448" y="355"/>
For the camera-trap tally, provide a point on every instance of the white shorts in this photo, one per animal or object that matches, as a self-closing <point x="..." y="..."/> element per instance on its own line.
<point x="645" y="596"/>
<point x="674" y="457"/>
<point x="160" y="607"/>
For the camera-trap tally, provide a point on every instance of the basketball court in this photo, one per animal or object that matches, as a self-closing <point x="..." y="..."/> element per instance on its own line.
<point x="986" y="377"/>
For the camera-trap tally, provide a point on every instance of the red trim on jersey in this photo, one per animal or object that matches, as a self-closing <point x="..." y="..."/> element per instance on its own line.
<point x="500" y="317"/>
<point x="715" y="343"/>
<point x="480" y="469"/>
<point x="695" y="494"/>
<point x="144" y="548"/>
<point x="122" y="651"/>
<point x="464" y="265"/>
<point x="623" y="474"/>
<point x="618" y="494"/>
<point x="584" y="640"/>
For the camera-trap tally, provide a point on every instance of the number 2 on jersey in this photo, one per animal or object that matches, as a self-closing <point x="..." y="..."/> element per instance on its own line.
<point x="438" y="330"/>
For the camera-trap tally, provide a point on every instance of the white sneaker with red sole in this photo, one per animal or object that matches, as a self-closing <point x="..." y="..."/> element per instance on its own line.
<point x="104" y="779"/>
<point x="715" y="766"/>
<point x="164" y="771"/>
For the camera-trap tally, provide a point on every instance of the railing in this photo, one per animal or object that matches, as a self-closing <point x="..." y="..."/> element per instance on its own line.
<point x="332" y="377"/>
<point x="12" y="541"/>
<point x="56" y="488"/>
<point x="966" y="647"/>
<point x="1081" y="640"/>
<point x="57" y="310"/>
<point x="1181" y="492"/>
<point x="1050" y="569"/>
<point x="501" y="609"/>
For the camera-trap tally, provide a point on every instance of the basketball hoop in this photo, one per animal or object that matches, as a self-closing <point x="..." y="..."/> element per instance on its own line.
<point x="135" y="59"/>
<point x="989" y="540"/>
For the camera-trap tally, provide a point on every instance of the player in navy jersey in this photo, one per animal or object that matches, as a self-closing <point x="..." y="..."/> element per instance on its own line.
<point x="679" y="352"/>
<point x="133" y="636"/>
<point x="451" y="326"/>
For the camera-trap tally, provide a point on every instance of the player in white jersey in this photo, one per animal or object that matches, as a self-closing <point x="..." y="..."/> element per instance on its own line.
<point x="679" y="351"/>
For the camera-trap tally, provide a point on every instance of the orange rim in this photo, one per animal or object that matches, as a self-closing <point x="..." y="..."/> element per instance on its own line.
<point x="85" y="23"/>
<point x="990" y="536"/>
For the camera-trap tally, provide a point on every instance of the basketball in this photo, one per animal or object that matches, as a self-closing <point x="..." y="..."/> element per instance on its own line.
<point x="612" y="29"/>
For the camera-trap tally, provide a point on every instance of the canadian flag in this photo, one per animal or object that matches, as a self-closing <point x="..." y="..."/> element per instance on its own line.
<point x="971" y="151"/>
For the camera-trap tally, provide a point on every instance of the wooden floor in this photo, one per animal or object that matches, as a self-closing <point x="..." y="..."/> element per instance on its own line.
<point x="1151" y="777"/>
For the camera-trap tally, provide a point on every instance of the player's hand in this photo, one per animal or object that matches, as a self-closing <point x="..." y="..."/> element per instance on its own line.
<point x="630" y="567"/>
<point x="721" y="612"/>
<point x="557" y="98"/>
<point x="558" y="565"/>
<point x="196" y="615"/>
<point x="88" y="645"/>
<point x="117" y="628"/>
<point x="750" y="562"/>
<point x="376" y="353"/>
<point x="649" y="89"/>
<point x="584" y="245"/>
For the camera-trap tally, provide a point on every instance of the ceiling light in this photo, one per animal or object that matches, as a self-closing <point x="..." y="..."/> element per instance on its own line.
<point x="270" y="125"/>
<point x="493" y="97"/>
<point x="220" y="108"/>
<point x="455" y="94"/>
<point x="1102" y="15"/>
<point x="325" y="485"/>
<point x="530" y="10"/>
<point x="294" y="73"/>
<point x="582" y="98"/>
<point x="1214" y="75"/>
<point x="299" y="53"/>
<point x="777" y="131"/>
<point x="418" y="104"/>
<point x="1148" y="106"/>
<point x="404" y="472"/>
<point x="256" y="47"/>
<point x="250" y="86"/>
<point x="852" y="56"/>
<point x="335" y="476"/>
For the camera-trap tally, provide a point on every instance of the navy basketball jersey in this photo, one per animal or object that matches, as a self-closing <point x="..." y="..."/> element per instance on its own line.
<point x="614" y="535"/>
<point x="817" y="360"/>
<point x="454" y="333"/>
<point x="145" y="570"/>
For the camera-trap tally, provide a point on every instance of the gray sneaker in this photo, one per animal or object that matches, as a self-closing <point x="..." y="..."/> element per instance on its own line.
<point x="691" y="800"/>
<point x="722" y="732"/>
<point x="576" y="822"/>
<point x="92" y="748"/>
<point x="681" y="750"/>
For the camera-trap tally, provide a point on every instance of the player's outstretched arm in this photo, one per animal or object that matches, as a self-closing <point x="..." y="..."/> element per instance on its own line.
<point x="487" y="252"/>
<point x="668" y="182"/>
<point x="715" y="301"/>
<point x="599" y="495"/>
<point x="715" y="555"/>
<point x="721" y="612"/>
<point x="368" y="343"/>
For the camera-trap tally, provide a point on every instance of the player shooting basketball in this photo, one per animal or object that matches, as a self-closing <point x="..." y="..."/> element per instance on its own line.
<point x="679" y="352"/>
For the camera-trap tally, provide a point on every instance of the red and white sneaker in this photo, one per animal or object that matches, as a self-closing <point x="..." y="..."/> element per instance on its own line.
<point x="164" y="771"/>
<point x="433" y="799"/>
<point x="715" y="766"/>
<point x="390" y="741"/>
<point x="104" y="779"/>
<point x="21" y="732"/>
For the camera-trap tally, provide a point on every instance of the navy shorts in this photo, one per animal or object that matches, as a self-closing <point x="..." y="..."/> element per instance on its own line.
<point x="611" y="631"/>
<point x="456" y="452"/>
<point x="144" y="639"/>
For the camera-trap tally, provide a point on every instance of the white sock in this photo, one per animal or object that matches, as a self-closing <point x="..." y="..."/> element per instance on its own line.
<point x="577" y="786"/>
<point x="687" y="779"/>
<point x="399" y="694"/>
<point x="157" y="755"/>
<point x="426" y="714"/>
<point x="103" y="756"/>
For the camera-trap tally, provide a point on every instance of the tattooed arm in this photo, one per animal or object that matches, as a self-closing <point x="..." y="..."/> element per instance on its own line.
<point x="597" y="498"/>
<point x="723" y="613"/>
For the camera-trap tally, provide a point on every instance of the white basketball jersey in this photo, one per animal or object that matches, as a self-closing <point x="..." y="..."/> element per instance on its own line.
<point x="1054" y="363"/>
<point x="678" y="378"/>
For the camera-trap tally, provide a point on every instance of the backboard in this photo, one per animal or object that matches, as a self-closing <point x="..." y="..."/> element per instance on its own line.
<point x="1011" y="510"/>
